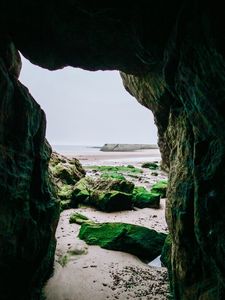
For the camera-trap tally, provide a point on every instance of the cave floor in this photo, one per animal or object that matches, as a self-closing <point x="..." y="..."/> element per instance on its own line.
<point x="85" y="272"/>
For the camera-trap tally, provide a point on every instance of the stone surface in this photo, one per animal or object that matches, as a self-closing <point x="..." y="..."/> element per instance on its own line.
<point x="160" y="188"/>
<point x="28" y="208"/>
<point x="106" y="194"/>
<point x="79" y="219"/>
<point x="140" y="241"/>
<point x="150" y="91"/>
<point x="65" y="173"/>
<point x="150" y="165"/>
<point x="143" y="198"/>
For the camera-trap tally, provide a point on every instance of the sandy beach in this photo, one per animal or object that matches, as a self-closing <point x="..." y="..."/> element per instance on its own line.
<point x="84" y="272"/>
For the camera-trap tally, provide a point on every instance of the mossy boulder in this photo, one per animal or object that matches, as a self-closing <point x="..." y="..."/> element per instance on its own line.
<point x="105" y="194"/>
<point x="126" y="170"/>
<point x="65" y="204"/>
<point x="79" y="219"/>
<point x="150" y="165"/>
<point x="143" y="242"/>
<point x="64" y="169"/>
<point x="65" y="191"/>
<point x="143" y="198"/>
<point x="113" y="175"/>
<point x="65" y="173"/>
<point x="160" y="188"/>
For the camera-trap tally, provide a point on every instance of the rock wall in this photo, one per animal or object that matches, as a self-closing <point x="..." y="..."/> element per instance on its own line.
<point x="175" y="52"/>
<point x="187" y="102"/>
<point x="28" y="211"/>
<point x="150" y="91"/>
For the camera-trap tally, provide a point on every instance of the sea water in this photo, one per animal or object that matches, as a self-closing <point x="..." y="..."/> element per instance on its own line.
<point x="75" y="149"/>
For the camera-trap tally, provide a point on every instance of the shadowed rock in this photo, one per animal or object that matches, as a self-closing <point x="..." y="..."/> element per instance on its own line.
<point x="105" y="194"/>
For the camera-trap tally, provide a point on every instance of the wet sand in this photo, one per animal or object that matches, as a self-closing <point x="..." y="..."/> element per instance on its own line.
<point x="90" y="158"/>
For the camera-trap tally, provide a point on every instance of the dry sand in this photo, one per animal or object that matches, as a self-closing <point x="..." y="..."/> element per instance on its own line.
<point x="85" y="272"/>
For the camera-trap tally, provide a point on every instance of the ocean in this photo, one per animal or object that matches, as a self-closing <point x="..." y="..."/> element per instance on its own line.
<point x="76" y="149"/>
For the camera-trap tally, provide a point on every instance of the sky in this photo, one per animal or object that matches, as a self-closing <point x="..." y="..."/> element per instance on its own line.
<point x="88" y="108"/>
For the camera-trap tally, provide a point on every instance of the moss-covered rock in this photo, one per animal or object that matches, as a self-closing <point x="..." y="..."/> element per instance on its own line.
<point x="150" y="165"/>
<point x="114" y="175"/>
<point x="140" y="241"/>
<point x="105" y="194"/>
<point x="143" y="198"/>
<point x="65" y="191"/>
<point x="64" y="169"/>
<point x="65" y="204"/>
<point x="79" y="219"/>
<point x="65" y="172"/>
<point x="117" y="169"/>
<point x="160" y="188"/>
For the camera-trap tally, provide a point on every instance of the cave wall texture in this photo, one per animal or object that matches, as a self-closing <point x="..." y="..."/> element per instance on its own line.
<point x="171" y="54"/>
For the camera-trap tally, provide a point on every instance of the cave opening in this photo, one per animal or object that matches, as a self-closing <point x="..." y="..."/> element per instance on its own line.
<point x="72" y="115"/>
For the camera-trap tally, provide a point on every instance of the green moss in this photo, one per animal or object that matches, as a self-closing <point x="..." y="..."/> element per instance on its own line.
<point x="79" y="219"/>
<point x="81" y="192"/>
<point x="63" y="260"/>
<point x="150" y="165"/>
<point x="160" y="188"/>
<point x="166" y="257"/>
<point x="63" y="172"/>
<point x="143" y="198"/>
<point x="111" y="201"/>
<point x="137" y="240"/>
<point x="65" y="204"/>
<point x="113" y="175"/>
<point x="121" y="169"/>
<point x="166" y="252"/>
<point x="105" y="194"/>
<point x="65" y="192"/>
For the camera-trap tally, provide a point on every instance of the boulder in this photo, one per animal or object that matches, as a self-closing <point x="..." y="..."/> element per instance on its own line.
<point x="150" y="165"/>
<point x="64" y="169"/>
<point x="65" y="172"/>
<point x="143" y="198"/>
<point x="143" y="242"/>
<point x="105" y="194"/>
<point x="160" y="188"/>
<point x="79" y="219"/>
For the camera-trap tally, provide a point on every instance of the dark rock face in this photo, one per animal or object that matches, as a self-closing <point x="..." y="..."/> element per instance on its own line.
<point x="84" y="33"/>
<point x="28" y="211"/>
<point x="177" y="50"/>
<point x="150" y="91"/>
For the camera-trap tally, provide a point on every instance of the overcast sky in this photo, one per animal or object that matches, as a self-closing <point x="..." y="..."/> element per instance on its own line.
<point x="88" y="108"/>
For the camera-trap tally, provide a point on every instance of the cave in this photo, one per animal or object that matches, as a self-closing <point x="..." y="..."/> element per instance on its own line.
<point x="171" y="58"/>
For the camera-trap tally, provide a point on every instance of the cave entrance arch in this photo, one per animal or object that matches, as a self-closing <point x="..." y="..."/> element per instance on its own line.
<point x="113" y="114"/>
<point x="181" y="43"/>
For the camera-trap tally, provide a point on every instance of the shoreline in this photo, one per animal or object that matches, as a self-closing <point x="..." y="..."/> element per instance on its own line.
<point x="114" y="157"/>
